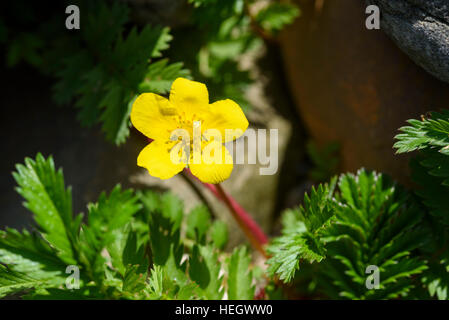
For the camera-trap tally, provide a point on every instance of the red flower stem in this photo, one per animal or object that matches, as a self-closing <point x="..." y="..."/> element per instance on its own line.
<point x="253" y="232"/>
<point x="251" y="229"/>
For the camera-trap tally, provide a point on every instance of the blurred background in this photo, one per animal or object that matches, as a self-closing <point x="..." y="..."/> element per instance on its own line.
<point x="336" y="91"/>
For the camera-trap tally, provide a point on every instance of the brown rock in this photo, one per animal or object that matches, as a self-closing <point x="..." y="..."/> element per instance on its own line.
<point x="354" y="85"/>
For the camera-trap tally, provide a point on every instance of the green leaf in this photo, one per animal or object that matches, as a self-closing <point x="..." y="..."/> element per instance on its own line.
<point x="160" y="76"/>
<point x="109" y="214"/>
<point x="133" y="253"/>
<point x="27" y="47"/>
<point x="167" y="204"/>
<point x="115" y="117"/>
<point x="126" y="249"/>
<point x="134" y="280"/>
<point x="205" y="271"/>
<point x="29" y="262"/>
<point x="29" y="254"/>
<point x="166" y="248"/>
<point x="432" y="131"/>
<point x="430" y="173"/>
<point x="13" y="282"/>
<point x="116" y="248"/>
<point x="437" y="280"/>
<point x="302" y="234"/>
<point x="161" y="287"/>
<point x="377" y="224"/>
<point x="106" y="67"/>
<point x="198" y="223"/>
<point x="277" y="15"/>
<point x="288" y="250"/>
<point x="45" y="194"/>
<point x="83" y="293"/>
<point x="240" y="276"/>
<point x="219" y="234"/>
<point x="317" y="210"/>
<point x="156" y="283"/>
<point x="367" y="220"/>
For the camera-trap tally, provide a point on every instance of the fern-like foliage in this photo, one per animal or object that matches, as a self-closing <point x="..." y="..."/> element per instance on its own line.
<point x="28" y="253"/>
<point x="276" y="16"/>
<point x="379" y="225"/>
<point x="12" y="281"/>
<point x="129" y="247"/>
<point x="107" y="219"/>
<point x="101" y="67"/>
<point x="430" y="172"/>
<point x="108" y="68"/>
<point x="430" y="131"/>
<point x="160" y="75"/>
<point x="104" y="65"/>
<point x="46" y="196"/>
<point x="301" y="239"/>
<point x="240" y="277"/>
<point x="367" y="221"/>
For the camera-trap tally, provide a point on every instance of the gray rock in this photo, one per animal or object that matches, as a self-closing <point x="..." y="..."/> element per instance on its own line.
<point x="421" y="29"/>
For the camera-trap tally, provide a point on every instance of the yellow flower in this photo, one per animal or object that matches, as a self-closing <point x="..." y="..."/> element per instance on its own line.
<point x="206" y="127"/>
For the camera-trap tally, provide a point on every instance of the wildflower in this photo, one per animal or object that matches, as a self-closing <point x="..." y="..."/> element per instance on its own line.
<point x="187" y="119"/>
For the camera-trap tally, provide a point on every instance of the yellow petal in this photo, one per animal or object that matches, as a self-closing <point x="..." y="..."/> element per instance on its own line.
<point x="189" y="96"/>
<point x="213" y="169"/>
<point x="226" y="115"/>
<point x="154" y="116"/>
<point x="156" y="159"/>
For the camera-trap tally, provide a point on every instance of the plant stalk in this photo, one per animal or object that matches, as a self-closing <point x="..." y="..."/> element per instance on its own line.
<point x="251" y="229"/>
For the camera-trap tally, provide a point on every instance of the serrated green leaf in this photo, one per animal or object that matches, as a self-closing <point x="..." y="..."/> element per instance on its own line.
<point x="198" y="223"/>
<point x="204" y="269"/>
<point x="160" y="76"/>
<point x="276" y="15"/>
<point x="46" y="196"/>
<point x="109" y="214"/>
<point x="288" y="250"/>
<point x="432" y="131"/>
<point x="12" y="281"/>
<point x="240" y="276"/>
<point x="302" y="233"/>
<point x="368" y="220"/>
<point x="106" y="66"/>
<point x="219" y="234"/>
<point x="27" y="253"/>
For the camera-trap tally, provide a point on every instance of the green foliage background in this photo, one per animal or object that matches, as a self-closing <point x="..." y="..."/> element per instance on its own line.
<point x="103" y="66"/>
<point x="130" y="246"/>
<point x="363" y="220"/>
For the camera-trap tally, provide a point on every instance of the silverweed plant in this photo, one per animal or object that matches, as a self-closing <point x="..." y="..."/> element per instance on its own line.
<point x="142" y="245"/>
<point x="130" y="246"/>
<point x="357" y="236"/>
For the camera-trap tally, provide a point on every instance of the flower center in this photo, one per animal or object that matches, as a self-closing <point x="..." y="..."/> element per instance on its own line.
<point x="190" y="124"/>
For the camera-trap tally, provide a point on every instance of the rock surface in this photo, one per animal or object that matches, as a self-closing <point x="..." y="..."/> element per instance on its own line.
<point x="421" y="29"/>
<point x="354" y="85"/>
